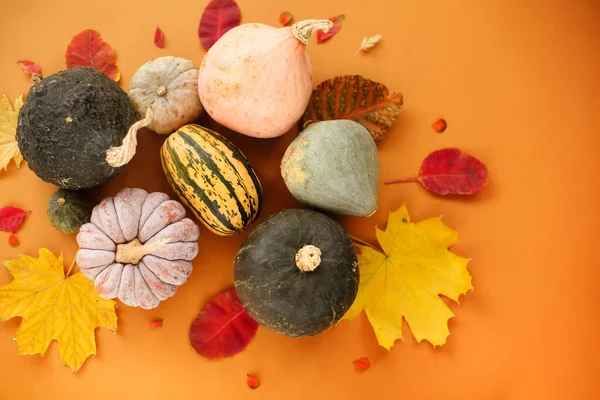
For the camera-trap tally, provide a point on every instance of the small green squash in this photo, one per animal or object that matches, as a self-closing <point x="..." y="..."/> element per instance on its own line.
<point x="297" y="273"/>
<point x="68" y="209"/>
<point x="333" y="166"/>
<point x="213" y="178"/>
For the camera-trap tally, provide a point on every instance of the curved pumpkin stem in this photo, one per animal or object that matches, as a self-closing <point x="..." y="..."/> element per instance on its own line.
<point x="118" y="156"/>
<point x="134" y="251"/>
<point x="303" y="30"/>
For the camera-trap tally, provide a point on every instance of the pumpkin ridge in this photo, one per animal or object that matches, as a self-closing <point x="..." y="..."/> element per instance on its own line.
<point x="135" y="292"/>
<point x="145" y="270"/>
<point x="179" y="165"/>
<point x="167" y="260"/>
<point x="141" y="228"/>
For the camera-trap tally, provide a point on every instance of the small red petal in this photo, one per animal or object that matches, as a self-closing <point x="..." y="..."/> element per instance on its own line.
<point x="440" y="125"/>
<point x="87" y="48"/>
<point x="362" y="363"/>
<point x="218" y="17"/>
<point x="159" y="38"/>
<point x="156" y="324"/>
<point x="30" y="67"/>
<point x="452" y="172"/>
<point x="337" y="24"/>
<point x="285" y="18"/>
<point x="223" y="328"/>
<point x="252" y="382"/>
<point x="11" y="218"/>
<point x="12" y="240"/>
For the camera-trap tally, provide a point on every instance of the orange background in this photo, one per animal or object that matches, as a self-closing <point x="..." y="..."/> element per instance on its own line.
<point x="518" y="84"/>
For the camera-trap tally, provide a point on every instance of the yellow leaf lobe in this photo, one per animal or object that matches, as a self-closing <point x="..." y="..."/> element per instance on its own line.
<point x="54" y="307"/>
<point x="405" y="281"/>
<point x="9" y="150"/>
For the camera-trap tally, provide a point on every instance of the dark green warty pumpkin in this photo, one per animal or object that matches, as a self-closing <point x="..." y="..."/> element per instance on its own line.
<point x="69" y="209"/>
<point x="67" y="124"/>
<point x="297" y="273"/>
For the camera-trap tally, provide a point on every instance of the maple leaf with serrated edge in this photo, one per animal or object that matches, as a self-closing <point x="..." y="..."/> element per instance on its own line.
<point x="9" y="150"/>
<point x="405" y="281"/>
<point x="54" y="307"/>
<point x="88" y="49"/>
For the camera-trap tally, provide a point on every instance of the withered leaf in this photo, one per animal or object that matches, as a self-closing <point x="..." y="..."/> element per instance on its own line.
<point x="356" y="98"/>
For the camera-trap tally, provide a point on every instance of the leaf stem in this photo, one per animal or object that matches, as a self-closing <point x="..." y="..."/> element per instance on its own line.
<point x="360" y="241"/>
<point x="402" y="180"/>
<point x="71" y="267"/>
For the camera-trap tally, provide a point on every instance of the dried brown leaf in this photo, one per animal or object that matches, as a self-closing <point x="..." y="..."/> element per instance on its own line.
<point x="356" y="98"/>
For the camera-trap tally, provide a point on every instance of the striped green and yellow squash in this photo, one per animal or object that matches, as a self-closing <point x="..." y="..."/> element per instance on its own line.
<point x="213" y="178"/>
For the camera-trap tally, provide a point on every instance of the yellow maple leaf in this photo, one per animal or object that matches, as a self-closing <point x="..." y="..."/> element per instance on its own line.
<point x="54" y="307"/>
<point x="9" y="149"/>
<point x="406" y="280"/>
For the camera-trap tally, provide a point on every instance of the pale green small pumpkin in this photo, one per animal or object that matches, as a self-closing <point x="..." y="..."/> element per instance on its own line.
<point x="333" y="166"/>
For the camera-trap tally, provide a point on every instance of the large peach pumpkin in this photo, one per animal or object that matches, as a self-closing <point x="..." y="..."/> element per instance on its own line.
<point x="257" y="79"/>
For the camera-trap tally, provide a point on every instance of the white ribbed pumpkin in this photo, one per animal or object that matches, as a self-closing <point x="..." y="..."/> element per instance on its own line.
<point x="138" y="247"/>
<point x="168" y="85"/>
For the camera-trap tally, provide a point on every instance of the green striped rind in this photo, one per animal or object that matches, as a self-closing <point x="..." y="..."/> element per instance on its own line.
<point x="213" y="178"/>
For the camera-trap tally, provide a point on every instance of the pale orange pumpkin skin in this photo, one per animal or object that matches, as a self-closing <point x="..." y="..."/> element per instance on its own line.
<point x="149" y="222"/>
<point x="256" y="80"/>
<point x="169" y="85"/>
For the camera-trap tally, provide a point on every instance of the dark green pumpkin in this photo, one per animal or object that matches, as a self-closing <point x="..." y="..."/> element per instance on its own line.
<point x="67" y="124"/>
<point x="68" y="209"/>
<point x="273" y="288"/>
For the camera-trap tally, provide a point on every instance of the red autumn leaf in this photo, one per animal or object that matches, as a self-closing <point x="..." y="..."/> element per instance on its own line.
<point x="159" y="38"/>
<point x="450" y="171"/>
<point x="12" y="240"/>
<point x="88" y="49"/>
<point x="337" y="24"/>
<point x="30" y="67"/>
<point x="252" y="381"/>
<point x="285" y="18"/>
<point x="362" y="363"/>
<point x="157" y="324"/>
<point x="440" y="125"/>
<point x="223" y="328"/>
<point x="11" y="218"/>
<point x="218" y="17"/>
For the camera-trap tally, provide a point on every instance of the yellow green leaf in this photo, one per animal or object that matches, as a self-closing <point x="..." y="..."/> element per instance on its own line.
<point x="8" y="130"/>
<point x="54" y="307"/>
<point x="405" y="281"/>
